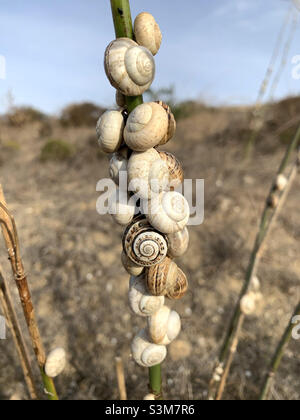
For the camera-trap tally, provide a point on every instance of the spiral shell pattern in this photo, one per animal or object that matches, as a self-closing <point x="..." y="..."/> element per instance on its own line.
<point x="129" y="67"/>
<point x="143" y="244"/>
<point x="176" y="175"/>
<point x="171" y="123"/>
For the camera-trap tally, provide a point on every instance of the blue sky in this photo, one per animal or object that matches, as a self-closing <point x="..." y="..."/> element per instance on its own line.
<point x="216" y="50"/>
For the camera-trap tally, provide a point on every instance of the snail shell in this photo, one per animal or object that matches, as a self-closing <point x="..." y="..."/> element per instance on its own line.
<point x="55" y="363"/>
<point x="149" y="397"/>
<point x="178" y="243"/>
<point x="248" y="303"/>
<point x="121" y="207"/>
<point x="109" y="131"/>
<point x="147" y="32"/>
<point x="131" y="267"/>
<point x="168" y="212"/>
<point x="144" y="245"/>
<point x="281" y="182"/>
<point x="129" y="67"/>
<point x="145" y="353"/>
<point x="147" y="126"/>
<point x="166" y="279"/>
<point x="139" y="172"/>
<point x="176" y="175"/>
<point x="164" y="326"/>
<point x="118" y="163"/>
<point x="140" y="301"/>
<point x="120" y="99"/>
<point x="171" y="123"/>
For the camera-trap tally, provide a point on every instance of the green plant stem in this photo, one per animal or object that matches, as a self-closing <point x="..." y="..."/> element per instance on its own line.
<point x="268" y="217"/>
<point x="155" y="381"/>
<point x="277" y="358"/>
<point x="123" y="28"/>
<point x="49" y="387"/>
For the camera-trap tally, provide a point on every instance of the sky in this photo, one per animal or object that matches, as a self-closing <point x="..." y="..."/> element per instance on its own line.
<point x="216" y="51"/>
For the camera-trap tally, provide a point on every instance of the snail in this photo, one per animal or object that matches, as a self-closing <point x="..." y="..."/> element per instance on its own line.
<point x="120" y="99"/>
<point x="144" y="170"/>
<point x="147" y="32"/>
<point x="178" y="243"/>
<point x="144" y="245"/>
<point x="109" y="130"/>
<point x="121" y="207"/>
<point x="176" y="175"/>
<point x="149" y="397"/>
<point x="118" y="163"/>
<point x="164" y="326"/>
<point x="131" y="268"/>
<point x="145" y="353"/>
<point x="168" y="212"/>
<point x="140" y="301"/>
<point x="171" y="123"/>
<point x="281" y="182"/>
<point x="166" y="279"/>
<point x="55" y="363"/>
<point x="129" y="67"/>
<point x="248" y="303"/>
<point x="147" y="126"/>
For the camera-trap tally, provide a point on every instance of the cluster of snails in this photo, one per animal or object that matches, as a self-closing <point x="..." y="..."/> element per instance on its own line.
<point x="156" y="233"/>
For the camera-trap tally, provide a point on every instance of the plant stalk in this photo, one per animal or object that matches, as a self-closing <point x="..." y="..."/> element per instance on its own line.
<point x="13" y="323"/>
<point x="123" y="28"/>
<point x="284" y="342"/>
<point x="269" y="216"/>
<point x="10" y="236"/>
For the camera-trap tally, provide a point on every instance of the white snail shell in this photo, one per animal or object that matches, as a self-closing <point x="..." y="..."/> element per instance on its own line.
<point x="140" y="300"/>
<point x="55" y="363"/>
<point x="121" y="207"/>
<point x="146" y="127"/>
<point x="139" y="170"/>
<point x="178" y="243"/>
<point x="149" y="397"/>
<point x="120" y="99"/>
<point x="109" y="130"/>
<point x="164" y="326"/>
<point x="118" y="163"/>
<point x="144" y="245"/>
<point x="129" y="67"/>
<point x="145" y="353"/>
<point x="248" y="303"/>
<point x="147" y="32"/>
<point x="281" y="182"/>
<point x="131" y="268"/>
<point x="167" y="212"/>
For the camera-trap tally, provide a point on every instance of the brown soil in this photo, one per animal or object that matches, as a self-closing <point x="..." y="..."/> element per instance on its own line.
<point x="72" y="256"/>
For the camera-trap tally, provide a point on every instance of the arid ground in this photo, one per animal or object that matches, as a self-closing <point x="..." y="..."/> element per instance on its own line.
<point x="72" y="257"/>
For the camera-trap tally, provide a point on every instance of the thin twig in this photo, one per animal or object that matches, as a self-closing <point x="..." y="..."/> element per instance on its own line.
<point x="10" y="235"/>
<point x="121" y="379"/>
<point x="274" y="203"/>
<point x="284" y="342"/>
<point x="13" y="323"/>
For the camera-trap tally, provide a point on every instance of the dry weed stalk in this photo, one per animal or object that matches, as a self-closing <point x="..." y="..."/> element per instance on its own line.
<point x="121" y="379"/>
<point x="279" y="353"/>
<point x="274" y="203"/>
<point x="13" y="324"/>
<point x="10" y="235"/>
<point x="257" y="117"/>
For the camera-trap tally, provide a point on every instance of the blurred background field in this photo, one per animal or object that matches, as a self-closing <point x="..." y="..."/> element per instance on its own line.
<point x="50" y="163"/>
<point x="49" y="169"/>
